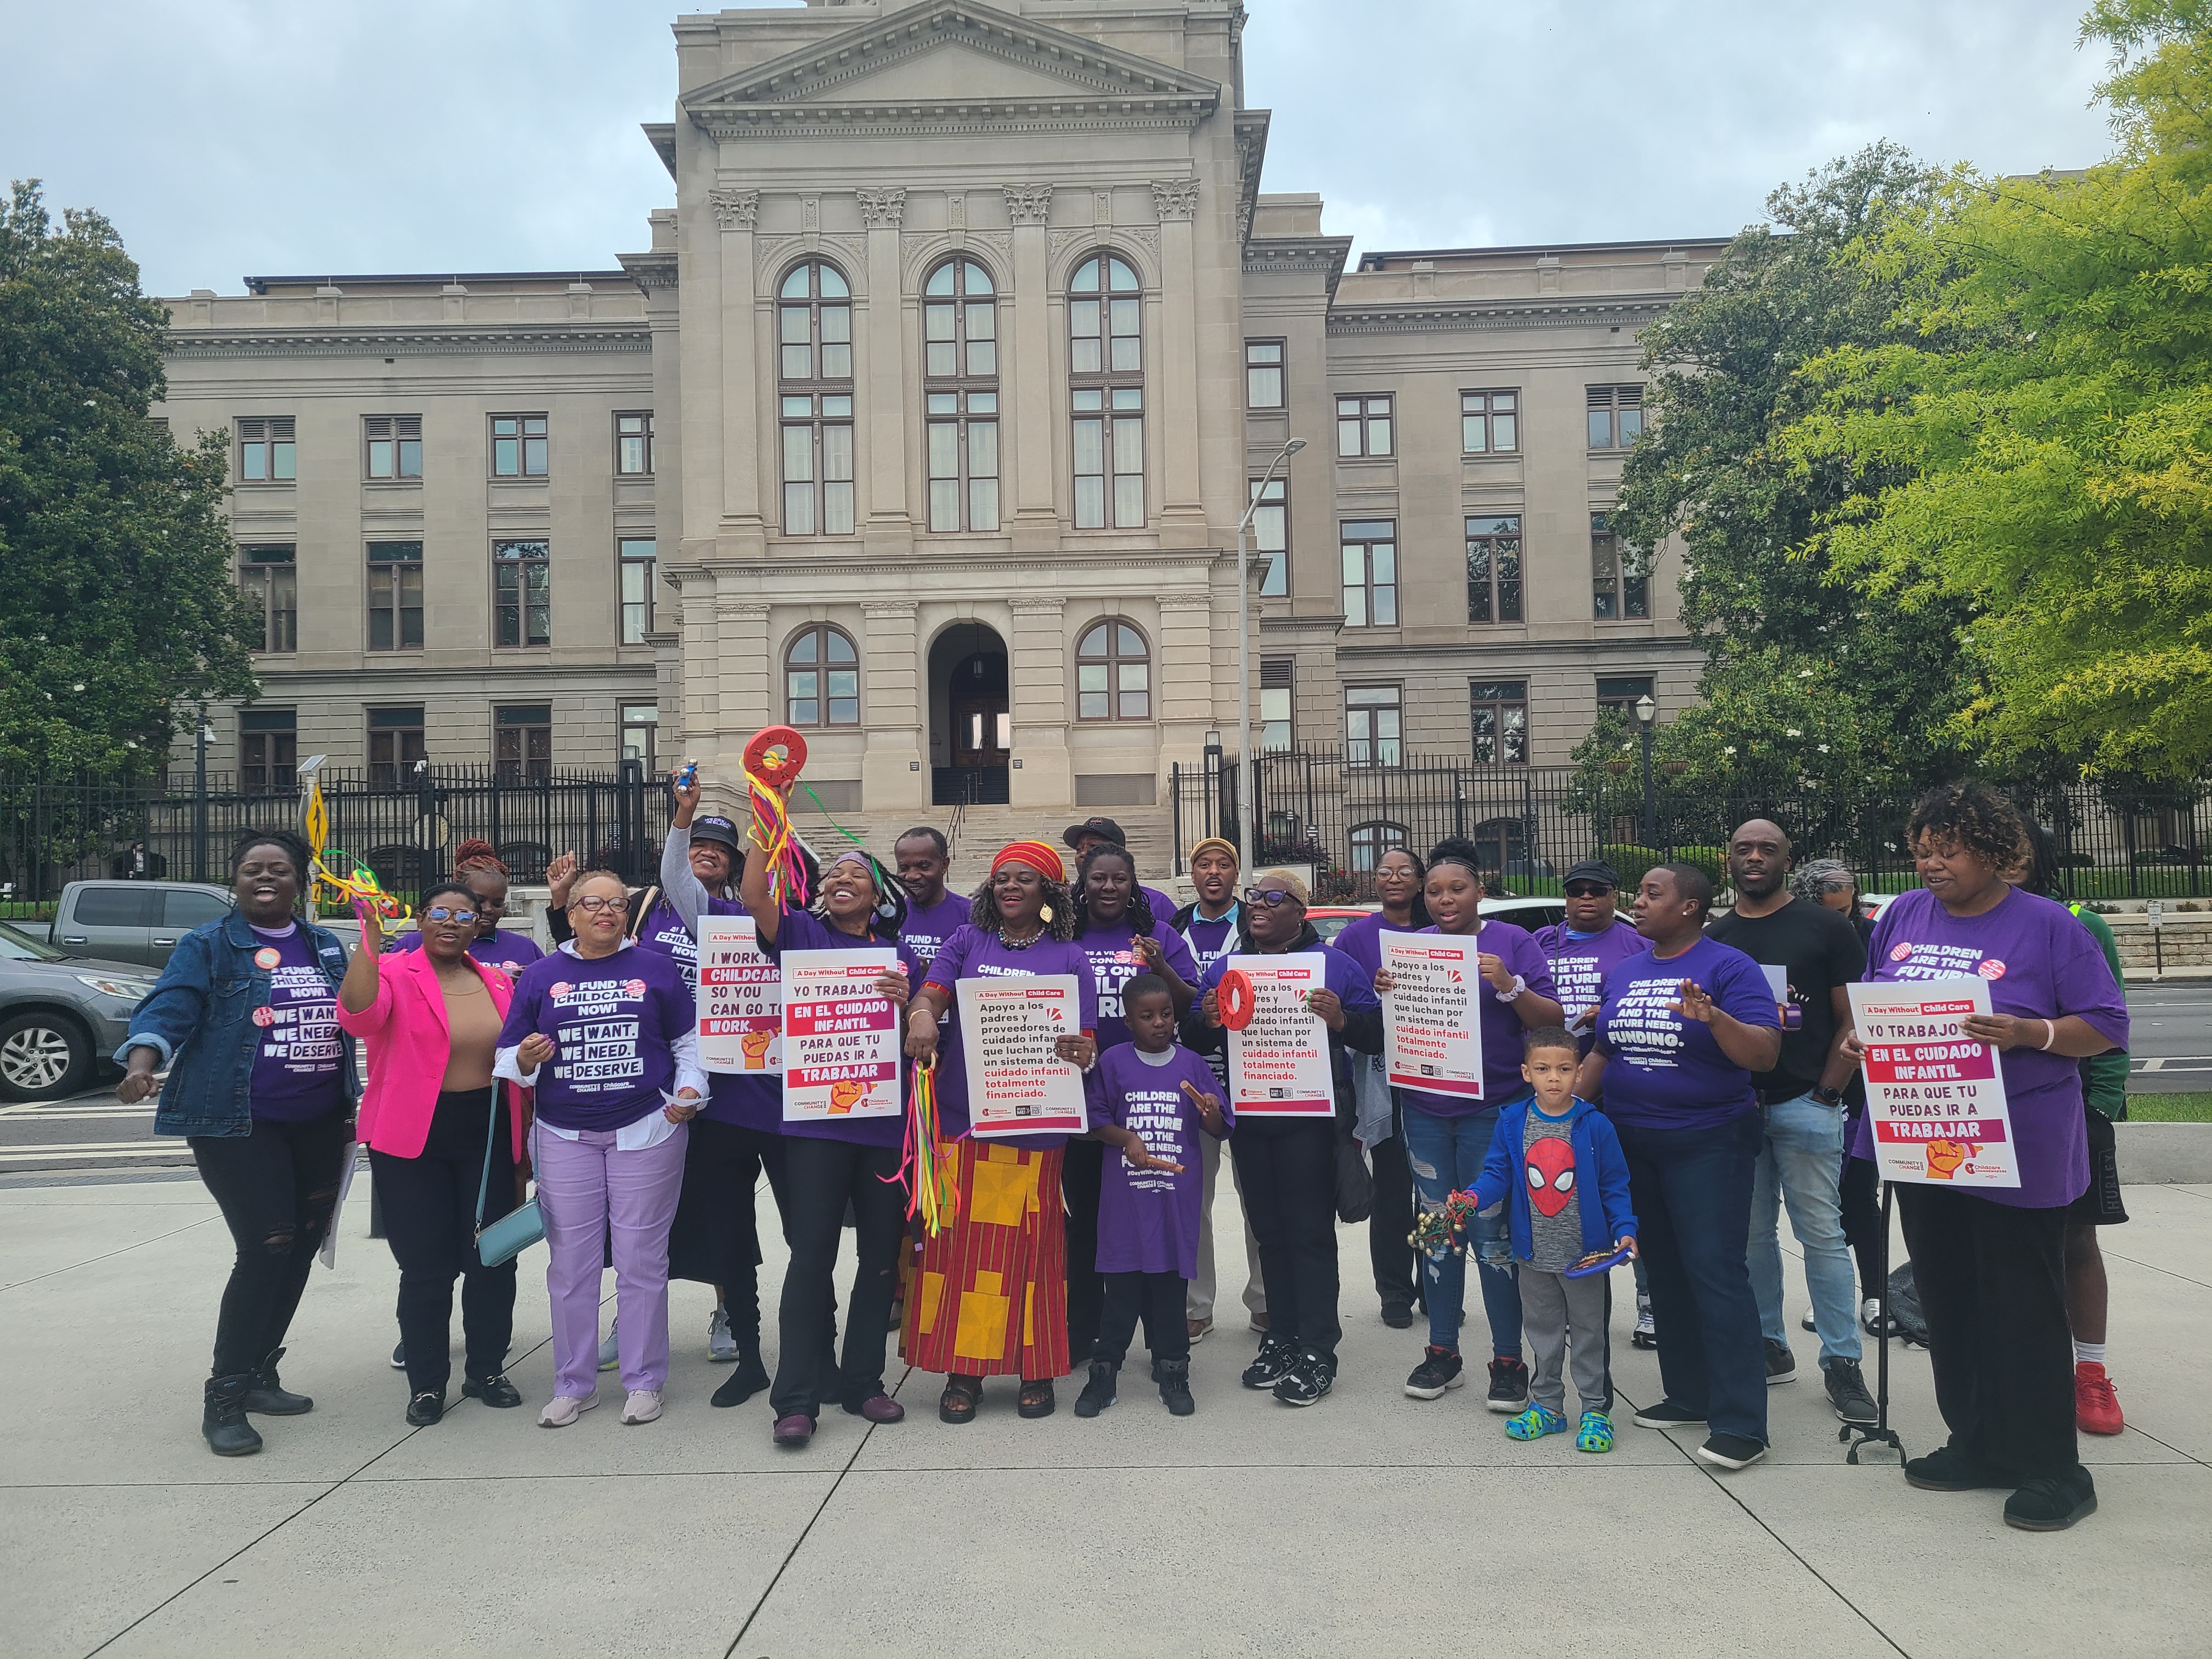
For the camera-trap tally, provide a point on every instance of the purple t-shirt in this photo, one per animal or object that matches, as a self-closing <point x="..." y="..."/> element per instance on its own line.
<point x="1579" y="966"/>
<point x="928" y="926"/>
<point x="664" y="932"/>
<point x="1148" y="1219"/>
<point x="1363" y="940"/>
<point x="1208" y="941"/>
<point x="2041" y="963"/>
<point x="612" y="1022"/>
<point x="1114" y="962"/>
<point x="509" y="952"/>
<point x="971" y="953"/>
<point x="1664" y="1070"/>
<point x="751" y="1100"/>
<point x="295" y="1068"/>
<point x="1503" y="1034"/>
<point x="800" y="931"/>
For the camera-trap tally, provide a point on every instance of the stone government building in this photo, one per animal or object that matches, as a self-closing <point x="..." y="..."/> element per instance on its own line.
<point x="924" y="424"/>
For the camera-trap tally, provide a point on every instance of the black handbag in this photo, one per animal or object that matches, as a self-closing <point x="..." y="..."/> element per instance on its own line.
<point x="1355" y="1177"/>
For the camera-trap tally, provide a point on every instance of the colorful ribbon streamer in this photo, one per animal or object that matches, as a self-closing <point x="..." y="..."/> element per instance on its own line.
<point x="926" y="1165"/>
<point x="334" y="871"/>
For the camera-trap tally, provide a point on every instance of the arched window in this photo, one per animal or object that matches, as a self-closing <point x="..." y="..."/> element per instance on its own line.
<point x="821" y="679"/>
<point x="1113" y="673"/>
<point x="960" y="395"/>
<point x="1370" y="842"/>
<point x="1106" y="386"/>
<point x="814" y="379"/>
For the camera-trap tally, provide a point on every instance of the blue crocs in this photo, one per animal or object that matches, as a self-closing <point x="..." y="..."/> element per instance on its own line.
<point x="1535" y="1423"/>
<point x="1595" y="1434"/>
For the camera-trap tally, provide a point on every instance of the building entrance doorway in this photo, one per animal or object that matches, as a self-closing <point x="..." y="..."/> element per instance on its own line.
<point x="971" y="717"/>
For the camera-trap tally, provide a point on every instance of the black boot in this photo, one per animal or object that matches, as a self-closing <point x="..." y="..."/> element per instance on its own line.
<point x="1174" y="1378"/>
<point x="222" y="1419"/>
<point x="1098" y="1393"/>
<point x="268" y="1396"/>
<point x="746" y="1380"/>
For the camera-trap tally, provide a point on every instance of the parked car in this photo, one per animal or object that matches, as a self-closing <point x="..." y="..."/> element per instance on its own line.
<point x="60" y="1016"/>
<point x="1529" y="914"/>
<point x="136" y="921"/>
<point x="1330" y="920"/>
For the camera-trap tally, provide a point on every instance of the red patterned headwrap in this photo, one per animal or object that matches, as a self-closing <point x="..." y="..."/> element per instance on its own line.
<point x="1045" y="860"/>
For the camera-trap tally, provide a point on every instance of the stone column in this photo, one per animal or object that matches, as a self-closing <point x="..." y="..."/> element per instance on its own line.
<point x="1033" y="413"/>
<point x="888" y="418"/>
<point x="735" y="211"/>
<point x="1173" y="377"/>
<point x="1036" y="685"/>
<point x="744" y="674"/>
<point x="893" y="709"/>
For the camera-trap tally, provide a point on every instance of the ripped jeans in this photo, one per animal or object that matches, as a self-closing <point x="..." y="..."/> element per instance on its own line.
<point x="1446" y="1154"/>
<point x="276" y="1187"/>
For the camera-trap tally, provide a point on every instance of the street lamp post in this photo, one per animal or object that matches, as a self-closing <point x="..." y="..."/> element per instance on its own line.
<point x="1249" y="772"/>
<point x="1645" y="708"/>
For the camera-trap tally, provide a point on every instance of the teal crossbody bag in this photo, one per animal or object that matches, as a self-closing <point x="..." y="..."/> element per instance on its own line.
<point x="521" y="1227"/>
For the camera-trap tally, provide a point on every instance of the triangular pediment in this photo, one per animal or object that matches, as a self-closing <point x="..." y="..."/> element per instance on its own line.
<point x="948" y="62"/>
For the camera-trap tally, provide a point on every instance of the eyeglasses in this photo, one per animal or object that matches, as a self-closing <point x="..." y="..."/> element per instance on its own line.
<point x="1587" y="891"/>
<point x="440" y="912"/>
<point x="593" y="903"/>
<point x="1271" y="896"/>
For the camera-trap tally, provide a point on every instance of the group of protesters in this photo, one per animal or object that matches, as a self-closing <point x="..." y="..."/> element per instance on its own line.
<point x="1656" y="1087"/>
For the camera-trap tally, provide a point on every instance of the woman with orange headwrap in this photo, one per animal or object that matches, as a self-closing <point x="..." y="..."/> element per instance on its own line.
<point x="990" y="1297"/>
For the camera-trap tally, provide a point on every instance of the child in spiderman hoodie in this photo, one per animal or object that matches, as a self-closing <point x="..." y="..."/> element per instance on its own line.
<point x="1556" y="1157"/>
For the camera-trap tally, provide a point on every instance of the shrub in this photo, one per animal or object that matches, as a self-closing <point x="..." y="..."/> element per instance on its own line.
<point x="1632" y="861"/>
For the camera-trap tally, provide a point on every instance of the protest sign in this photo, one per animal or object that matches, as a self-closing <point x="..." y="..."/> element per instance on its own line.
<point x="841" y="1037"/>
<point x="1432" y="1024"/>
<point x="1279" y="1062"/>
<point x="1018" y="1085"/>
<point x="740" y="1000"/>
<point x="1936" y="1099"/>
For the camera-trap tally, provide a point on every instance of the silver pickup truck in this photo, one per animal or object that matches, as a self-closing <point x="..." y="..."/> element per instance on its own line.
<point x="137" y="922"/>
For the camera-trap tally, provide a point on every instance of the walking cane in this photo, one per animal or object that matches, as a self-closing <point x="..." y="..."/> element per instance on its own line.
<point x="1881" y="1431"/>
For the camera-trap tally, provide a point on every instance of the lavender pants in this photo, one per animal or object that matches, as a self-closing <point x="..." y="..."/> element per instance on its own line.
<point x="586" y="1189"/>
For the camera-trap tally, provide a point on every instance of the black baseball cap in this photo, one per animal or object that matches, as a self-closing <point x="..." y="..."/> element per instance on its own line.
<point x="714" y="828"/>
<point x="1104" y="827"/>
<point x="1593" y="870"/>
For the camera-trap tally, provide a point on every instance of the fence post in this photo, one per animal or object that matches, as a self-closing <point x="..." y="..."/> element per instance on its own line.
<point x="200" y="799"/>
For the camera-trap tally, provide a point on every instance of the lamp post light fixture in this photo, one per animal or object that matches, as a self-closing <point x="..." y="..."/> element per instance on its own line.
<point x="1645" y="710"/>
<point x="1249" y="772"/>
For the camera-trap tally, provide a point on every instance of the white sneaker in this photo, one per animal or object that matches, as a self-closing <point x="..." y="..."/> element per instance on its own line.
<point x="721" y="1341"/>
<point x="610" y="1350"/>
<point x="642" y="1405"/>
<point x="1808" y="1322"/>
<point x="563" y="1409"/>
<point x="1646" y="1335"/>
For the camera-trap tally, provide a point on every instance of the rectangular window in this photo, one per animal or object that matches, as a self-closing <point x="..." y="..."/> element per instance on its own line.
<point x="395" y="745"/>
<point x="271" y="582"/>
<point x="1371" y="574"/>
<point x="1620" y="692"/>
<point x="395" y="596"/>
<point x="1363" y="425"/>
<point x="1275" y="692"/>
<point x="522" y="744"/>
<point x="817" y="466"/>
<point x="1501" y="721"/>
<point x="1110" y="457"/>
<point x="265" y="454"/>
<point x="395" y="446"/>
<point x="1616" y="416"/>
<point x="1271" y="534"/>
<point x="1621" y="584"/>
<point x="640" y="724"/>
<point x="1489" y="422"/>
<point x="268" y="750"/>
<point x="522" y="596"/>
<point x="633" y="445"/>
<point x="1372" y="725"/>
<point x="517" y="447"/>
<point x="1263" y="373"/>
<point x="1493" y="570"/>
<point x="964" y="460"/>
<point x="636" y="561"/>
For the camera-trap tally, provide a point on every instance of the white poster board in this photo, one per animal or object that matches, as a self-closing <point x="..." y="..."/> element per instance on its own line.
<point x="840" y="1035"/>
<point x="1018" y="1083"/>
<point x="1431" y="1021"/>
<point x="1278" y="1063"/>
<point x="740" y="1000"/>
<point x="1935" y="1097"/>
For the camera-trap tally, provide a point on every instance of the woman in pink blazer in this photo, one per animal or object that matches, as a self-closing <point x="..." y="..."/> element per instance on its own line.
<point x="431" y="1018"/>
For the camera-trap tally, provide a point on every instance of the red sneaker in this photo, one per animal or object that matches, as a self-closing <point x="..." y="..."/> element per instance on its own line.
<point x="2096" y="1402"/>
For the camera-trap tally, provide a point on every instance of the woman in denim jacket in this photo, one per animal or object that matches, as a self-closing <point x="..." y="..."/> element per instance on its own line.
<point x="262" y="1084"/>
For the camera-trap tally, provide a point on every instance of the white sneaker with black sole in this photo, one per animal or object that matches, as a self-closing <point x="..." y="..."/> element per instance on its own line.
<point x="722" y="1341"/>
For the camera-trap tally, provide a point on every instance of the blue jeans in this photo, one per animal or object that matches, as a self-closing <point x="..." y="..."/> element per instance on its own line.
<point x="1692" y="1190"/>
<point x="1446" y="1154"/>
<point x="1800" y="1163"/>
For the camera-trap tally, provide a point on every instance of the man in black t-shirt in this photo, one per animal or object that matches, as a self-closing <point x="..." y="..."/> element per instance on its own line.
<point x="1811" y="953"/>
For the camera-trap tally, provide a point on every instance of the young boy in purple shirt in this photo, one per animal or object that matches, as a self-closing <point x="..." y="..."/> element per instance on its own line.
<point x="1158" y="1099"/>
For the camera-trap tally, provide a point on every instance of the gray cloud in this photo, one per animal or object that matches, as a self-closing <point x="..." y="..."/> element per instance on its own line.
<point x="229" y="137"/>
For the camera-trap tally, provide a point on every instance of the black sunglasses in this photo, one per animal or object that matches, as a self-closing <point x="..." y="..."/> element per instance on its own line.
<point x="1272" y="896"/>
<point x="1586" y="891"/>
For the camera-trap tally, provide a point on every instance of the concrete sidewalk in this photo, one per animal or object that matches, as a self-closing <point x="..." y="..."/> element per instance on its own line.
<point x="1370" y="1523"/>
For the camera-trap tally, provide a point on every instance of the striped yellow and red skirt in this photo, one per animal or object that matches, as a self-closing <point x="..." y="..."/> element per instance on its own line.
<point x="989" y="1296"/>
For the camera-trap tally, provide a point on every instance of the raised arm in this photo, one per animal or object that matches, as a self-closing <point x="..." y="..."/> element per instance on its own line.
<point x="357" y="990"/>
<point x="687" y="895"/>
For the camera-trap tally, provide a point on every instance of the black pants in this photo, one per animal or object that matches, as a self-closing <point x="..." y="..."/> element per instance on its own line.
<point x="1392" y="1222"/>
<point x="1287" y="1173"/>
<point x="1158" y="1299"/>
<point x="1992" y="1283"/>
<point x="276" y="1187"/>
<point x="1082" y="1171"/>
<point x="822" y="1176"/>
<point x="715" y="1237"/>
<point x="1861" y="1197"/>
<point x="430" y="1219"/>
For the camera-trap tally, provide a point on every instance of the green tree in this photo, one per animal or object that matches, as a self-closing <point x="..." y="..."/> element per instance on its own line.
<point x="119" y="613"/>
<point x="1758" y="587"/>
<point x="2034" y="444"/>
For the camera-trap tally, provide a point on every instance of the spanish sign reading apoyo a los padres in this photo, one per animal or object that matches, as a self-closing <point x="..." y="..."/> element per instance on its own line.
<point x="1279" y="1064"/>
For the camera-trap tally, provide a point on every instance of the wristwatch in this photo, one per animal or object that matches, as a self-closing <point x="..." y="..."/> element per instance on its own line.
<point x="1826" y="1096"/>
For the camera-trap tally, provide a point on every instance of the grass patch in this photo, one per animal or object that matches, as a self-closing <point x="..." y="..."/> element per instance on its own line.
<point x="2192" y="1107"/>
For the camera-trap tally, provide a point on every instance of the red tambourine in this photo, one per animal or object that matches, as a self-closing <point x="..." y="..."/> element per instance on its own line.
<point x="1235" y="1000"/>
<point x="762" y="763"/>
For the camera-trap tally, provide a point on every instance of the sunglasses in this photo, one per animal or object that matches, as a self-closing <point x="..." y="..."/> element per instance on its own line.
<point x="1584" y="891"/>
<point x="593" y="903"/>
<point x="441" y="913"/>
<point x="1271" y="896"/>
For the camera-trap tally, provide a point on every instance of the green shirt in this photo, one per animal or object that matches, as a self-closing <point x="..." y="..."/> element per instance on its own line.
<point x="2105" y="1077"/>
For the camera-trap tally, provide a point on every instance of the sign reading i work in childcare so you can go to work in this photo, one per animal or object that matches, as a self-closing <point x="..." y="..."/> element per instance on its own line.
<point x="1018" y="1083"/>
<point x="840" y="1035"/>
<point x="1278" y="1061"/>
<point x="1431" y="1024"/>
<point x="740" y="1000"/>
<point x="1935" y="1100"/>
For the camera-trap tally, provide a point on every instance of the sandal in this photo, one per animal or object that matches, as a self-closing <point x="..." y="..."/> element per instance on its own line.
<point x="961" y="1397"/>
<point x="1036" y="1399"/>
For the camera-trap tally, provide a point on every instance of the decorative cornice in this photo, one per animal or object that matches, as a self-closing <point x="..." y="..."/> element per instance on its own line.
<point x="882" y="209"/>
<point x="1028" y="204"/>
<point x="734" y="209"/>
<point x="1036" y="604"/>
<point x="346" y="343"/>
<point x="1251" y="133"/>
<point x="1415" y="319"/>
<point x="651" y="271"/>
<point x="1175" y="199"/>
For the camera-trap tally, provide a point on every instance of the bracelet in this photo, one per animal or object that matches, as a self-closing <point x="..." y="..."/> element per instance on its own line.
<point x="2052" y="1027"/>
<point x="1513" y="995"/>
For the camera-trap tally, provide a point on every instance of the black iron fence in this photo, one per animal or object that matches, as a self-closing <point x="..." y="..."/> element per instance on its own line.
<point x="52" y="833"/>
<point x="1329" y="809"/>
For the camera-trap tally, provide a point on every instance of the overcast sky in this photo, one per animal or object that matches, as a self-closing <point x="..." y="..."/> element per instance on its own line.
<point x="229" y="137"/>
